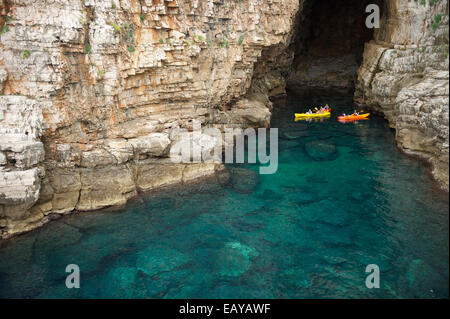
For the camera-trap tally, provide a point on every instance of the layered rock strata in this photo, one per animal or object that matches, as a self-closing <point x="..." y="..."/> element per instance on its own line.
<point x="405" y="76"/>
<point x="95" y="93"/>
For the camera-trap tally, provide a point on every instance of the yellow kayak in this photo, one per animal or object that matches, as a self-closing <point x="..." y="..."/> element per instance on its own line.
<point x="304" y="115"/>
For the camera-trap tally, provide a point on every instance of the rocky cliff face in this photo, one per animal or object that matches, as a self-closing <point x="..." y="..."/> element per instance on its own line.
<point x="94" y="93"/>
<point x="405" y="76"/>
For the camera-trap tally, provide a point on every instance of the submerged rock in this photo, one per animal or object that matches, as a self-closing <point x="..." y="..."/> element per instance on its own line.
<point x="321" y="150"/>
<point x="235" y="259"/>
<point x="288" y="144"/>
<point x="154" y="260"/>
<point x="57" y="235"/>
<point x="13" y="258"/>
<point x="271" y="195"/>
<point x="416" y="279"/>
<point x="248" y="224"/>
<point x="305" y="197"/>
<point x="242" y="291"/>
<point x="118" y="283"/>
<point x="243" y="180"/>
<point x="296" y="277"/>
<point x="316" y="179"/>
<point x="293" y="135"/>
<point x="326" y="211"/>
<point x="334" y="260"/>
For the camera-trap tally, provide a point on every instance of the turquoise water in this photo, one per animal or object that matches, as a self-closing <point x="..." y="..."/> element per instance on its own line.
<point x="344" y="197"/>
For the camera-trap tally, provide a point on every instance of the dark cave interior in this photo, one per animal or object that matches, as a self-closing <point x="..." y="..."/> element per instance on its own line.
<point x="329" y="44"/>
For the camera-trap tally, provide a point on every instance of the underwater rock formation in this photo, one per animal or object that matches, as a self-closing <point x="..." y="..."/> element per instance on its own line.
<point x="321" y="150"/>
<point x="155" y="260"/>
<point x="243" y="180"/>
<point x="235" y="259"/>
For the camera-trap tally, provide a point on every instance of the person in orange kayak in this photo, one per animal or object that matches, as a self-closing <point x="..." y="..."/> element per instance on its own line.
<point x="355" y="113"/>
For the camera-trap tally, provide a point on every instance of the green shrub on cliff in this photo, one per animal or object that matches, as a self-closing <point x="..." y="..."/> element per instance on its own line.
<point x="115" y="26"/>
<point x="4" y="28"/>
<point x="436" y="22"/>
<point x="26" y="54"/>
<point x="224" y="44"/>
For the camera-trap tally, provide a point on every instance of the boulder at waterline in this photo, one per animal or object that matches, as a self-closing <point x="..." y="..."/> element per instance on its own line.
<point x="223" y="177"/>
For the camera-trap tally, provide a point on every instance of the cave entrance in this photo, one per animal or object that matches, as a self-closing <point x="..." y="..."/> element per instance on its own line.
<point x="329" y="44"/>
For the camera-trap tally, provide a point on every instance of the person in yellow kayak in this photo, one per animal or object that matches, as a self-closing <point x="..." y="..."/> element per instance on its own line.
<point x="309" y="112"/>
<point x="321" y="110"/>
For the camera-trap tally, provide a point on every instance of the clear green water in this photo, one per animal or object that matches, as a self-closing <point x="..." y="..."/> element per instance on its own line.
<point x="308" y="231"/>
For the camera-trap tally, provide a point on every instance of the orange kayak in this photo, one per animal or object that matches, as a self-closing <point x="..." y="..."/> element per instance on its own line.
<point x="349" y="118"/>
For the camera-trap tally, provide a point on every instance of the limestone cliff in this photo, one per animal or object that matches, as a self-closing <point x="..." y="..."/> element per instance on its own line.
<point x="93" y="93"/>
<point x="405" y="76"/>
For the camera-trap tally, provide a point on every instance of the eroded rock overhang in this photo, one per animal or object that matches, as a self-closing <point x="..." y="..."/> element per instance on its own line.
<point x="96" y="92"/>
<point x="404" y="75"/>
